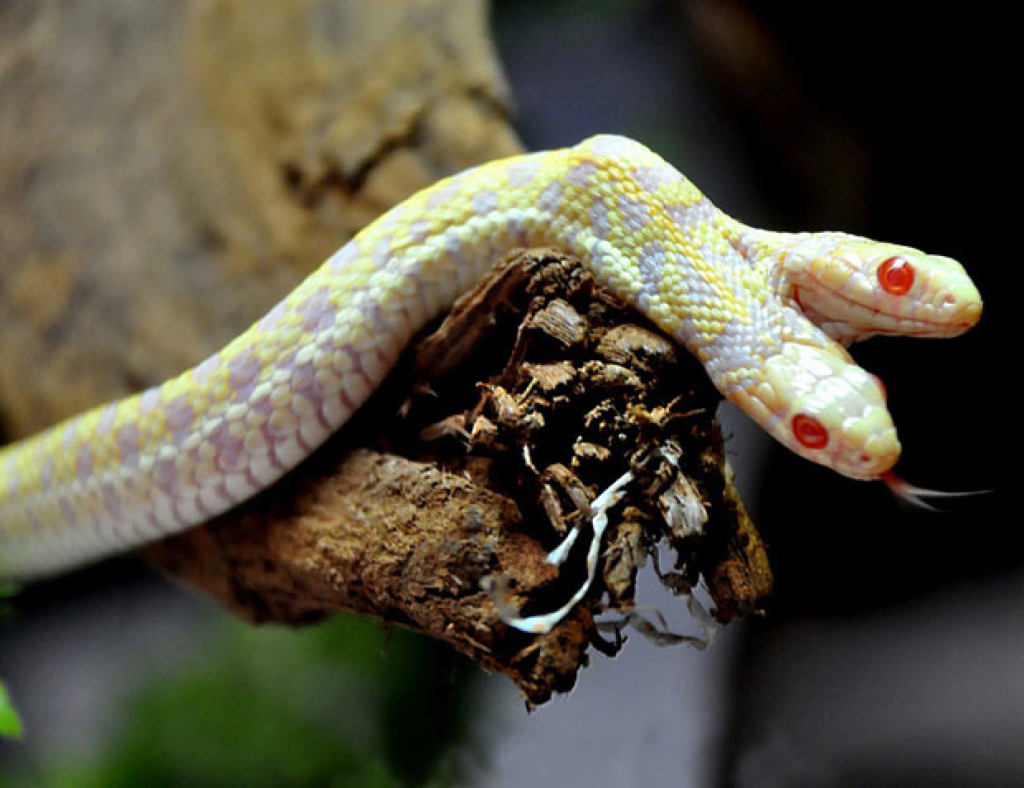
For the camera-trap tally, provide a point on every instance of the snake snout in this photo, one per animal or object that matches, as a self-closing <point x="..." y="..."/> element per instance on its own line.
<point x="831" y="411"/>
<point x="875" y="457"/>
<point x="964" y="311"/>
<point x="955" y="304"/>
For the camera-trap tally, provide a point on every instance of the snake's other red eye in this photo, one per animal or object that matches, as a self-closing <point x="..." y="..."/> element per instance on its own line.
<point x="896" y="275"/>
<point x="809" y="431"/>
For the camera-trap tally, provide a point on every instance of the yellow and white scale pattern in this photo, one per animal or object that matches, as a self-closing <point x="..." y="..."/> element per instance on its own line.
<point x="178" y="454"/>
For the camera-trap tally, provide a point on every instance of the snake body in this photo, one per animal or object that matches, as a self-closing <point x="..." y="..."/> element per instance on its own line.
<point x="740" y="299"/>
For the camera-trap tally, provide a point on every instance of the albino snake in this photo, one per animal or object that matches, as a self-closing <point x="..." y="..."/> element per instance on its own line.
<point x="766" y="313"/>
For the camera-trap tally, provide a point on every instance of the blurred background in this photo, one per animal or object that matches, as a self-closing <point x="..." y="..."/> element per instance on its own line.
<point x="891" y="651"/>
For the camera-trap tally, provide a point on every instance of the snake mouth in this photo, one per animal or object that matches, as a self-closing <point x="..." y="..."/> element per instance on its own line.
<point x="880" y="321"/>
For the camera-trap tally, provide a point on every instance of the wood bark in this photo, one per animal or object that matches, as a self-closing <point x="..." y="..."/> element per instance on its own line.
<point x="436" y="506"/>
<point x="169" y="170"/>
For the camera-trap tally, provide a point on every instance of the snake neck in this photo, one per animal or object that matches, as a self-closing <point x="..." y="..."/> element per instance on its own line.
<point x="765" y="252"/>
<point x="773" y="258"/>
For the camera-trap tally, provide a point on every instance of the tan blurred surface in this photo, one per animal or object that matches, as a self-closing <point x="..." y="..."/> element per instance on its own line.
<point x="169" y="170"/>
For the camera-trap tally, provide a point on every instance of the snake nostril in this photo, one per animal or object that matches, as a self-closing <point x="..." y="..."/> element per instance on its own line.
<point x="949" y="300"/>
<point x="972" y="312"/>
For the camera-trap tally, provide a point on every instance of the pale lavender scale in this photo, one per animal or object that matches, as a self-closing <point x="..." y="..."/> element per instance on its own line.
<point x="263" y="406"/>
<point x="686" y="217"/>
<point x="303" y="379"/>
<point x="596" y="250"/>
<point x="373" y="315"/>
<point x="213" y="437"/>
<point x="272" y="320"/>
<point x="617" y="147"/>
<point x="111" y="499"/>
<point x="389" y="220"/>
<point x="484" y="202"/>
<point x="127" y="439"/>
<point x="230" y="451"/>
<point x="203" y="371"/>
<point x="317" y="312"/>
<point x="317" y="395"/>
<point x="550" y="199"/>
<point x="13" y="481"/>
<point x="271" y="432"/>
<point x="788" y="322"/>
<point x="580" y="174"/>
<point x="165" y="475"/>
<point x="419" y="231"/>
<point x="180" y="416"/>
<point x="377" y="317"/>
<point x="515" y="230"/>
<point x="344" y="256"/>
<point x="442" y="194"/>
<point x="69" y="434"/>
<point x="522" y="171"/>
<point x="286" y="361"/>
<point x="597" y="215"/>
<point x="83" y="462"/>
<point x="415" y="275"/>
<point x="737" y="345"/>
<point x="635" y="214"/>
<point x="243" y="371"/>
<point x="46" y="474"/>
<point x="678" y="213"/>
<point x="149" y="400"/>
<point x="381" y="254"/>
<point x="652" y="268"/>
<point x="454" y="247"/>
<point x="652" y="178"/>
<point x="106" y="418"/>
<point x="458" y="256"/>
<point x="355" y="357"/>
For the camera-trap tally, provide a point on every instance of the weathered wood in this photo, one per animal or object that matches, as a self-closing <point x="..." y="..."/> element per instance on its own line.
<point x="169" y="170"/>
<point x="438" y="503"/>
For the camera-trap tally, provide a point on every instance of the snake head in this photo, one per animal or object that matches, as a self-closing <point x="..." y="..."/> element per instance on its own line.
<point x="854" y="288"/>
<point x="822" y="406"/>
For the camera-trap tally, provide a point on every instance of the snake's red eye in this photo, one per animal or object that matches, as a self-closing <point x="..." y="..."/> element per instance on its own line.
<point x="809" y="431"/>
<point x="896" y="275"/>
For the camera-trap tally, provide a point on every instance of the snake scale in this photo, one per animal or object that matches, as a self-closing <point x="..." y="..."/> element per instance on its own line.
<point x="767" y="313"/>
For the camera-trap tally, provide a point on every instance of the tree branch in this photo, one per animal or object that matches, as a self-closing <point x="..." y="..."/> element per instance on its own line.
<point x="484" y="446"/>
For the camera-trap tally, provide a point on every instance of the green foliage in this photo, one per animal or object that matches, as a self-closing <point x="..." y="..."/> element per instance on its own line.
<point x="10" y="723"/>
<point x="336" y="705"/>
<point x="8" y="591"/>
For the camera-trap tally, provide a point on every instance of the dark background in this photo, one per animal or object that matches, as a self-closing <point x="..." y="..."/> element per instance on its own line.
<point x="892" y="651"/>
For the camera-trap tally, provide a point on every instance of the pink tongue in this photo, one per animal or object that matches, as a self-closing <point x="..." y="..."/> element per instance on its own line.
<point x="903" y="489"/>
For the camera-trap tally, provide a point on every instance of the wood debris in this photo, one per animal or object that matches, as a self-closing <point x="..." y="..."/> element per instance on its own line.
<point x="437" y="517"/>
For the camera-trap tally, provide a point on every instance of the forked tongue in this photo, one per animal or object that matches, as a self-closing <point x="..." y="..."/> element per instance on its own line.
<point x="920" y="496"/>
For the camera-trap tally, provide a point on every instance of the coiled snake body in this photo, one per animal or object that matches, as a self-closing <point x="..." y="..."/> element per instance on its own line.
<point x="767" y="314"/>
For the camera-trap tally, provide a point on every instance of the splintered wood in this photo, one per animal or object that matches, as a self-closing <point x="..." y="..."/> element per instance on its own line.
<point x="441" y="501"/>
